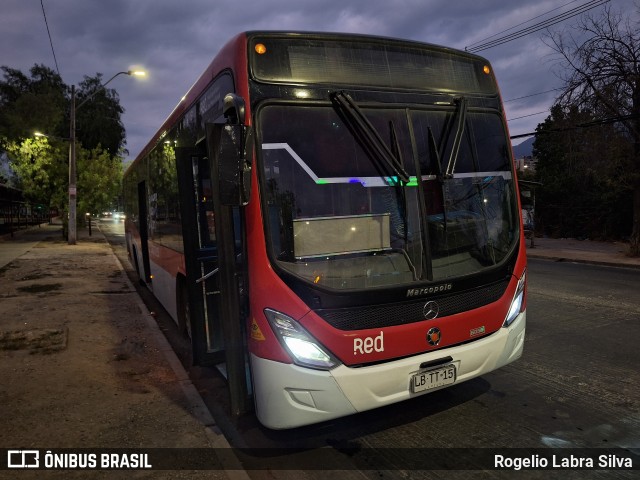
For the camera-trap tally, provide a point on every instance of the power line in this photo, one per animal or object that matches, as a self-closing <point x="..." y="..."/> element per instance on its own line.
<point x="592" y="123"/>
<point x="525" y="116"/>
<point x="520" y="24"/>
<point x="50" y="41"/>
<point x="533" y="94"/>
<point x="538" y="26"/>
<point x="523" y="135"/>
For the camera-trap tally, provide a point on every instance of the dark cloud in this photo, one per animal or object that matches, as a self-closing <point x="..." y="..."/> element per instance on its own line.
<point x="175" y="41"/>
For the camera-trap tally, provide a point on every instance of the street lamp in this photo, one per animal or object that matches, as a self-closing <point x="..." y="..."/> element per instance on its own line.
<point x="46" y="135"/>
<point x="72" y="150"/>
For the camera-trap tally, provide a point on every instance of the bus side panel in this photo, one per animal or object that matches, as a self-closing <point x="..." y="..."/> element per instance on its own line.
<point x="165" y="265"/>
<point x="266" y="288"/>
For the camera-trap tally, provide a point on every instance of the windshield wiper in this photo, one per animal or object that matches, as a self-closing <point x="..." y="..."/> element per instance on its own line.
<point x="433" y="152"/>
<point x="435" y="155"/>
<point x="459" y="119"/>
<point x="401" y="194"/>
<point x="369" y="136"/>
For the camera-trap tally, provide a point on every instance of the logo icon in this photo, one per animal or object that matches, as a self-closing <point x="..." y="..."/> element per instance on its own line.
<point x="433" y="336"/>
<point x="368" y="344"/>
<point x="476" y="331"/>
<point x="23" y="458"/>
<point x="415" y="292"/>
<point x="430" y="310"/>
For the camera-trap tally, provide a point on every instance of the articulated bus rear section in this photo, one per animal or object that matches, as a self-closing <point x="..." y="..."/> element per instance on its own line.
<point x="336" y="219"/>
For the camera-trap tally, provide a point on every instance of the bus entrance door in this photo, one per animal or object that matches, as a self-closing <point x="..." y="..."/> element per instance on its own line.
<point x="211" y="259"/>
<point x="201" y="292"/>
<point x="230" y="237"/>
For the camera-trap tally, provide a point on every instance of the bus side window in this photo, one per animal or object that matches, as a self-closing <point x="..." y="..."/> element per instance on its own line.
<point x="207" y="217"/>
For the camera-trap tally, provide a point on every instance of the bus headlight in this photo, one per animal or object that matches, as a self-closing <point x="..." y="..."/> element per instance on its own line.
<point x="517" y="302"/>
<point x="303" y="348"/>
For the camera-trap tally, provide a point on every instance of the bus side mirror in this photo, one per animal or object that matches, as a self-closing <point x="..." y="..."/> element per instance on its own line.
<point x="233" y="109"/>
<point x="231" y="148"/>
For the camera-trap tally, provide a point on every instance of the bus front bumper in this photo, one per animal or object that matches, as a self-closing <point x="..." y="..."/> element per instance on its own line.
<point x="288" y="396"/>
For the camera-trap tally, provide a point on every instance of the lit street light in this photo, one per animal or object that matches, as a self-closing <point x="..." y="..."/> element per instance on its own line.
<point x="45" y="135"/>
<point x="72" y="151"/>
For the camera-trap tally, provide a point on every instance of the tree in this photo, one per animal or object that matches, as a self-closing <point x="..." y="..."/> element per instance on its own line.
<point x="40" y="102"/>
<point x="99" y="179"/>
<point x="40" y="167"/>
<point x="31" y="104"/>
<point x="580" y="164"/>
<point x="27" y="105"/>
<point x="99" y="119"/>
<point x="602" y="60"/>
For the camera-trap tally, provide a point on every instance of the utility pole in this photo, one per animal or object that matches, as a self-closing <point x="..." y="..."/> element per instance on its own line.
<point x="72" y="170"/>
<point x="72" y="235"/>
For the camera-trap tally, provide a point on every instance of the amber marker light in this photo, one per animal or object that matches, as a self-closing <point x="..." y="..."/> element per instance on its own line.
<point x="260" y="48"/>
<point x="486" y="69"/>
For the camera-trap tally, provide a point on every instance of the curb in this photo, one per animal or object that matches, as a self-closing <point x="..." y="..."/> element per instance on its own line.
<point x="603" y="263"/>
<point x="233" y="469"/>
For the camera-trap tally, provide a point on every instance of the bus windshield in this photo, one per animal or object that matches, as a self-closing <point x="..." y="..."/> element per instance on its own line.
<point x="338" y="218"/>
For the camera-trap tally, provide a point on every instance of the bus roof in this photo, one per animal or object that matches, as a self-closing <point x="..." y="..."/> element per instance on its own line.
<point x="228" y="58"/>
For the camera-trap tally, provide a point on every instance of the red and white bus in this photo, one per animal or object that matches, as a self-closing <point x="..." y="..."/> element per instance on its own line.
<point x="336" y="219"/>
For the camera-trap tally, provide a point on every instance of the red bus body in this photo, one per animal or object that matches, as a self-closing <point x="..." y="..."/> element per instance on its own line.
<point x="432" y="294"/>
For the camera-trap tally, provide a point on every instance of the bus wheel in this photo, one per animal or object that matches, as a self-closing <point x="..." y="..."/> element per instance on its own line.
<point x="184" y="313"/>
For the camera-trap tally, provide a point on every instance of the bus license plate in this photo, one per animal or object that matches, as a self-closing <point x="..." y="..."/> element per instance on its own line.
<point x="429" y="379"/>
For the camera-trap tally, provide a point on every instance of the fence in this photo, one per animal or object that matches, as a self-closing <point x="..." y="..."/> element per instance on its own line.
<point x="16" y="212"/>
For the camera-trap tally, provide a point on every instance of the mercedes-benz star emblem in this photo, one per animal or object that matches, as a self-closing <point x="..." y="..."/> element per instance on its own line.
<point x="434" y="336"/>
<point x="430" y="310"/>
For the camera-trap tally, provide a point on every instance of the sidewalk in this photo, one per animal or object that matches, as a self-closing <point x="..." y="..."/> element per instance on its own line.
<point x="583" y="251"/>
<point x="84" y="365"/>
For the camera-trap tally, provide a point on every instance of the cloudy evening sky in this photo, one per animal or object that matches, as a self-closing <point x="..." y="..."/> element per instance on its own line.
<point x="175" y="40"/>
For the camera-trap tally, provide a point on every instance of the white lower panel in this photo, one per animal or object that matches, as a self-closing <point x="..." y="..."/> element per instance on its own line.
<point x="289" y="396"/>
<point x="163" y="286"/>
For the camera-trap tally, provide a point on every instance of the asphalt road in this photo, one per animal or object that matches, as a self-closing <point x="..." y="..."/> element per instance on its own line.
<point x="577" y="385"/>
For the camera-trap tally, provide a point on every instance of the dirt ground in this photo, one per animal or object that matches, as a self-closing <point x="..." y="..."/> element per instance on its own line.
<point x="79" y="367"/>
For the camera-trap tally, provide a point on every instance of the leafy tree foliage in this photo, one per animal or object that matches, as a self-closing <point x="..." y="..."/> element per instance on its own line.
<point x="602" y="59"/>
<point x="99" y="173"/>
<point x="41" y="168"/>
<point x="41" y="102"/>
<point x="582" y="166"/>
<point x="98" y="120"/>
<point x="29" y="104"/>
